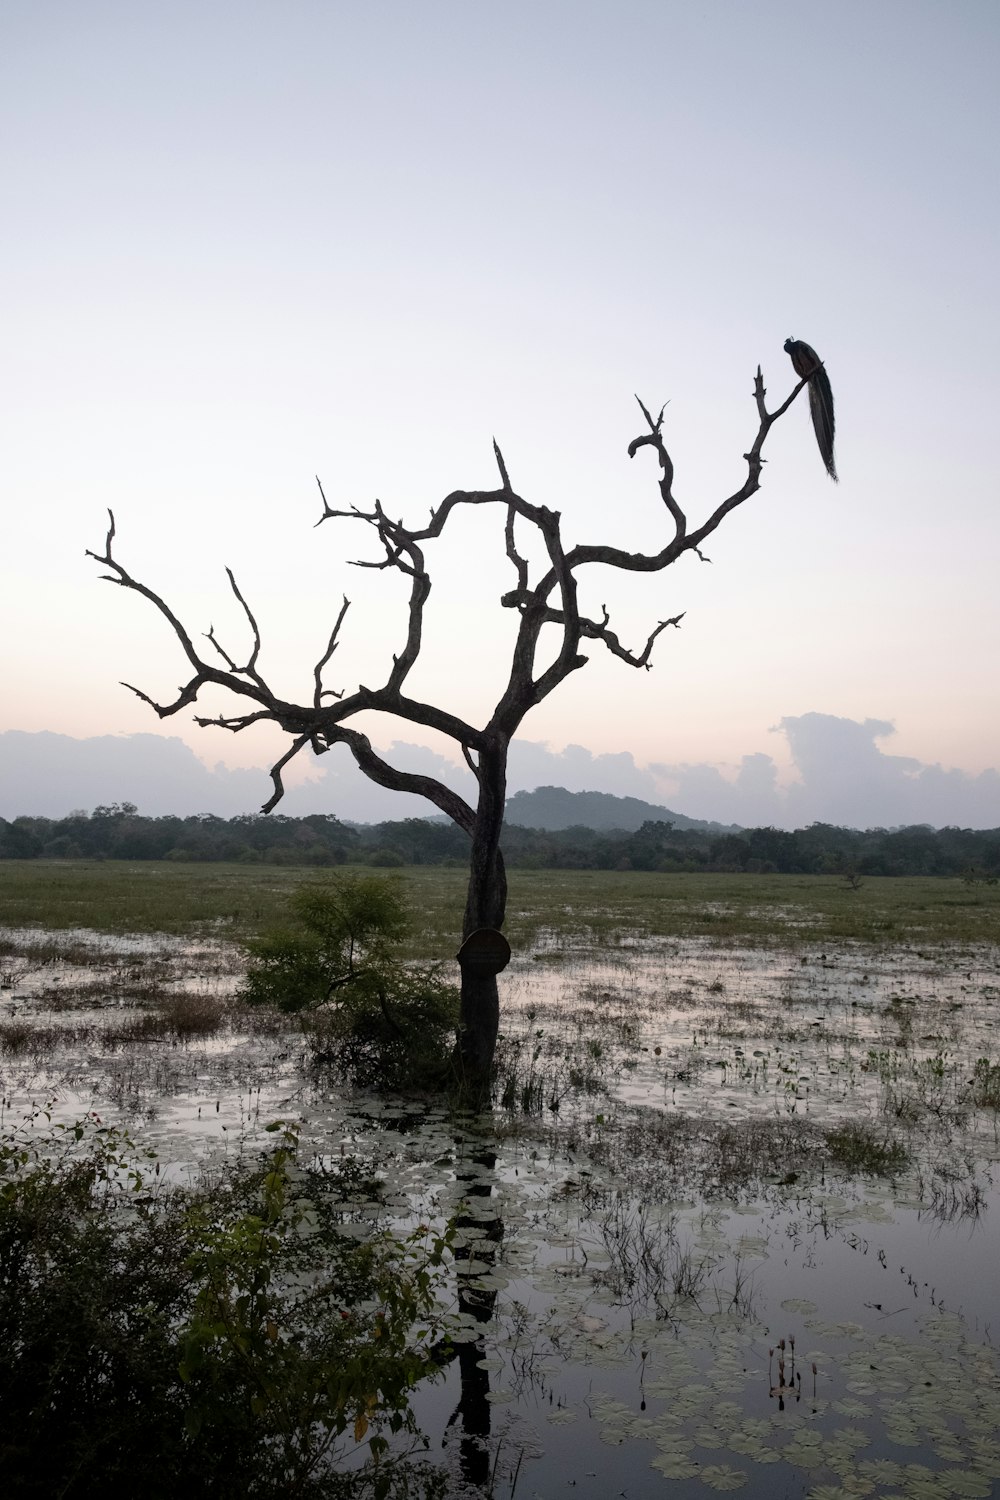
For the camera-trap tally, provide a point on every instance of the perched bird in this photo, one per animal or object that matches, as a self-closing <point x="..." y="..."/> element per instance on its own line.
<point x="808" y="365"/>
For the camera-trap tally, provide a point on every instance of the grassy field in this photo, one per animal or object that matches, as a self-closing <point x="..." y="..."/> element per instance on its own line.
<point x="595" y="907"/>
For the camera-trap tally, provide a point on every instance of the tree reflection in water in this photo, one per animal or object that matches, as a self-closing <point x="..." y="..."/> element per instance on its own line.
<point x="473" y="1413"/>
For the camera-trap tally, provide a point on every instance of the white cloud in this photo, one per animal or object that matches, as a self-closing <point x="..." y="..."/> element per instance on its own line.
<point x="841" y="775"/>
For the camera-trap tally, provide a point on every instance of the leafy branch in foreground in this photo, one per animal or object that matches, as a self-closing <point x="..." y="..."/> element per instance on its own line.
<point x="227" y="1341"/>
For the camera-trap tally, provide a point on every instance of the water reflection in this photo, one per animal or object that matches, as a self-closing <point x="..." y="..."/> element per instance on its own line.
<point x="480" y="1238"/>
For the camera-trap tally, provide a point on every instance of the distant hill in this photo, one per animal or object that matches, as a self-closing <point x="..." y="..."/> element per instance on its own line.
<point x="553" y="809"/>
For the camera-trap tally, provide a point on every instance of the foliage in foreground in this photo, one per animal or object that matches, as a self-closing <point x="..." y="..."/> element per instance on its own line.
<point x="225" y="1342"/>
<point x="380" y="1020"/>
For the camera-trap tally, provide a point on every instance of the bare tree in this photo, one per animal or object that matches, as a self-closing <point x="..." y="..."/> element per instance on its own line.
<point x="551" y="600"/>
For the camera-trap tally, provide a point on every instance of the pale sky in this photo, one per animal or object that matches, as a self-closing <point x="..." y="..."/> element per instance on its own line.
<point x="247" y="243"/>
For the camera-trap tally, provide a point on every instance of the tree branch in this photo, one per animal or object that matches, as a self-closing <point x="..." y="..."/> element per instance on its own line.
<point x="204" y="672"/>
<point x="188" y="695"/>
<point x="640" y="562"/>
<point x="505" y="477"/>
<point x="520" y="566"/>
<point x="600" y="632"/>
<point x="654" y="438"/>
<point x="597" y="630"/>
<point x="250" y="670"/>
<point x="380" y="771"/>
<point x="326" y="508"/>
<point x="754" y="461"/>
<point x="276" y="770"/>
<point x="320" y="692"/>
<point x="235" y="722"/>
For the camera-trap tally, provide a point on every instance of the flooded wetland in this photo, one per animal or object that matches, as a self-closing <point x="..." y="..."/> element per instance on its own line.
<point x="730" y="1223"/>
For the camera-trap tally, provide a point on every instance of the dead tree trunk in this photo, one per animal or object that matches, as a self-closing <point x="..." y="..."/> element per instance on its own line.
<point x="547" y="604"/>
<point x="485" y="907"/>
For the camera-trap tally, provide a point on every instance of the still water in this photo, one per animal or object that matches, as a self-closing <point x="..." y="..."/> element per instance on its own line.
<point x="732" y="1228"/>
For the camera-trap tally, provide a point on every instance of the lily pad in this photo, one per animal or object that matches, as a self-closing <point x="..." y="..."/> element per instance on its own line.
<point x="675" y="1466"/>
<point x="722" y="1477"/>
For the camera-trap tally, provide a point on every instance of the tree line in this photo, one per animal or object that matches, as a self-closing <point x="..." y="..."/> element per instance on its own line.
<point x="120" y="831"/>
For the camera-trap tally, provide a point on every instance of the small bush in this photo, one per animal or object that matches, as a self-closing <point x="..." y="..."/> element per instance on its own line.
<point x="388" y="859"/>
<point x="386" y="1023"/>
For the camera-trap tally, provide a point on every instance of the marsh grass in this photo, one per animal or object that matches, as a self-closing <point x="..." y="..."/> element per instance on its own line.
<point x="183" y="1017"/>
<point x="916" y="1090"/>
<point x="671" y="1157"/>
<point x="536" y="1077"/>
<point x="547" y="909"/>
<point x="651" y="1260"/>
<point x="953" y="1192"/>
<point x="180" y="1017"/>
<point x="861" y="1149"/>
<point x="986" y="1084"/>
<point x="17" y="1036"/>
<point x="229" y="902"/>
<point x="113" y="988"/>
<point x="552" y="1063"/>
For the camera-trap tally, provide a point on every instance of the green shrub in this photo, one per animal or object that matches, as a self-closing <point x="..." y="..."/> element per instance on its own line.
<point x="388" y="859"/>
<point x="224" y="1343"/>
<point x="386" y="1023"/>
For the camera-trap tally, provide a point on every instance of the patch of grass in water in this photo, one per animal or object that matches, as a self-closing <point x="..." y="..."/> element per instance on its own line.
<point x="183" y="1017"/>
<point x="664" y="1157"/>
<point x="863" y="1151"/>
<point x="986" y="1084"/>
<point x="17" y="1036"/>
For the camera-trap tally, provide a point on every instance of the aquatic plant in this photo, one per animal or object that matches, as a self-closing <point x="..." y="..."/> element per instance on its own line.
<point x="864" y="1150"/>
<point x="986" y="1084"/>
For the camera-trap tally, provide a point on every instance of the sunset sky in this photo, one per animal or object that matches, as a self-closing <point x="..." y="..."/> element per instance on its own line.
<point x="248" y="243"/>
